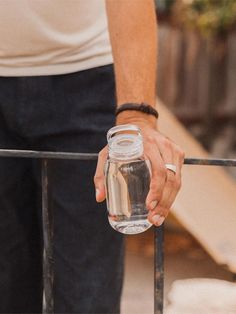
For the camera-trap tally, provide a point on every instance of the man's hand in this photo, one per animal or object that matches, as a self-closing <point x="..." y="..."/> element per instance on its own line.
<point x="133" y="33"/>
<point x="165" y="184"/>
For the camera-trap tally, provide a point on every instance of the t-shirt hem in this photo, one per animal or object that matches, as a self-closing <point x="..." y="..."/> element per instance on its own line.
<point x="55" y="69"/>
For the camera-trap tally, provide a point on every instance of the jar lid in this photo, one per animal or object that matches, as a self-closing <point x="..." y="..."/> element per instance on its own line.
<point x="125" y="142"/>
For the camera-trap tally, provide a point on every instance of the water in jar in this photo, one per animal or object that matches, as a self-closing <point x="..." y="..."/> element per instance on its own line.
<point x="127" y="186"/>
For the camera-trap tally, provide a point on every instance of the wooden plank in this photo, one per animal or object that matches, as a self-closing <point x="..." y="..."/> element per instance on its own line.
<point x="206" y="204"/>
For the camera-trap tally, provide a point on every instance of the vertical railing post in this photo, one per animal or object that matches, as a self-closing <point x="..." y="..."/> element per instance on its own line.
<point x="47" y="238"/>
<point x="158" y="269"/>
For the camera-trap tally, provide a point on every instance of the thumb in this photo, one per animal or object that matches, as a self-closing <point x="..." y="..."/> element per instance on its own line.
<point x="99" y="175"/>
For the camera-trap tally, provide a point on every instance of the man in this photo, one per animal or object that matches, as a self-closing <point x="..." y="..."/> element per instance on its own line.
<point x="57" y="93"/>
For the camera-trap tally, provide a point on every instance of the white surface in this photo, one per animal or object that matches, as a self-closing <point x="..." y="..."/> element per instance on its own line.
<point x="205" y="296"/>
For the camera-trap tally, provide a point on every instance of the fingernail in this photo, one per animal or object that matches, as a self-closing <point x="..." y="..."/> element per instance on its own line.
<point x="158" y="220"/>
<point x="155" y="218"/>
<point x="97" y="193"/>
<point x="153" y="204"/>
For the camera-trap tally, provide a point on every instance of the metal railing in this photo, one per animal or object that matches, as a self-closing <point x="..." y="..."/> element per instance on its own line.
<point x="47" y="227"/>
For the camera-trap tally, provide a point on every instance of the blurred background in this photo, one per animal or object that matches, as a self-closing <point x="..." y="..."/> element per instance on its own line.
<point x="197" y="69"/>
<point x="197" y="83"/>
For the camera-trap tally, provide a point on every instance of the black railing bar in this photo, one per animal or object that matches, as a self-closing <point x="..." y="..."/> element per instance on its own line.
<point x="159" y="269"/>
<point x="210" y="162"/>
<point x="93" y="156"/>
<point x="46" y="154"/>
<point x="48" y="273"/>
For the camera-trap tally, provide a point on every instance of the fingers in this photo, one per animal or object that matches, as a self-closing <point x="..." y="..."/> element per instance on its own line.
<point x="158" y="177"/>
<point x="164" y="184"/>
<point x="160" y="212"/>
<point x="171" y="154"/>
<point x="179" y="163"/>
<point x="99" y="175"/>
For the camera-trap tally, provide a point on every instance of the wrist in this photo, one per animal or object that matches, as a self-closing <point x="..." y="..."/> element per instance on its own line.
<point x="136" y="117"/>
<point x="141" y="114"/>
<point x="141" y="107"/>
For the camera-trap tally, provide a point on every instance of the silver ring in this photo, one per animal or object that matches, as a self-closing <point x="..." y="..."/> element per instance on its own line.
<point x="171" y="167"/>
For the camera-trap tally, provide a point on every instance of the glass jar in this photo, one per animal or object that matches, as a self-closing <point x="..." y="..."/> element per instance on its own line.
<point x="128" y="177"/>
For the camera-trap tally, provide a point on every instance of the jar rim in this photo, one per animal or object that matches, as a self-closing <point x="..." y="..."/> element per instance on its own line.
<point x="125" y="146"/>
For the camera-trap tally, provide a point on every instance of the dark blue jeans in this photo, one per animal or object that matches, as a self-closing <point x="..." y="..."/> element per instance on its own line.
<point x="69" y="112"/>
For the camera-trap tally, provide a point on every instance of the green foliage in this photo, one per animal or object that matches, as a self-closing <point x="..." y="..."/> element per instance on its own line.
<point x="210" y="17"/>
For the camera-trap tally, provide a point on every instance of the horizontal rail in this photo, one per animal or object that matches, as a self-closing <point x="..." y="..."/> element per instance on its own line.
<point x="46" y="154"/>
<point x="210" y="162"/>
<point x="93" y="156"/>
<point x="48" y="229"/>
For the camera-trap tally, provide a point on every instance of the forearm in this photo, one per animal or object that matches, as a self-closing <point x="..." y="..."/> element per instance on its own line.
<point x="133" y="34"/>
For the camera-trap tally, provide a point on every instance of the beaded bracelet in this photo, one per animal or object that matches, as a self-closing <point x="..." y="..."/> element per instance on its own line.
<point x="145" y="108"/>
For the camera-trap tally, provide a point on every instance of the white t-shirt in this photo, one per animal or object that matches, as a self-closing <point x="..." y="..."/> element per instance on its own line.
<point x="46" y="37"/>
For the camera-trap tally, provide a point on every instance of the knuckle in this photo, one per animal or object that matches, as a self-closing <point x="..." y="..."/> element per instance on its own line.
<point x="171" y="181"/>
<point x="180" y="152"/>
<point x="158" y="195"/>
<point x="178" y="183"/>
<point x="165" y="212"/>
<point x="166" y="143"/>
<point x="154" y="175"/>
<point x="162" y="211"/>
<point x="101" y="153"/>
<point x="155" y="190"/>
<point x="154" y="185"/>
<point x="97" y="178"/>
<point x="162" y="171"/>
<point x="150" y="139"/>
